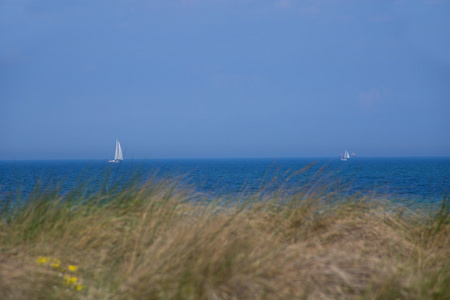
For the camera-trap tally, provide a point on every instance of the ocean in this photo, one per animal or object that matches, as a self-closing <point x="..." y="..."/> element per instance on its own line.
<point x="417" y="180"/>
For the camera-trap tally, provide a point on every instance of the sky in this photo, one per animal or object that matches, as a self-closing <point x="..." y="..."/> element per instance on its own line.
<point x="224" y="78"/>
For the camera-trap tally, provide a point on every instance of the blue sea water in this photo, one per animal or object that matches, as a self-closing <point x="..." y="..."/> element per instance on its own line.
<point x="421" y="180"/>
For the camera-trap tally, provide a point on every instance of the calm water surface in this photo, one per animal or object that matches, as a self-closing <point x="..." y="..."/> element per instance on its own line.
<point x="425" y="180"/>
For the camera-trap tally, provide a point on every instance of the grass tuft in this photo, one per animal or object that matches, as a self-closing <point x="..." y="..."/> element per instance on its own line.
<point x="152" y="241"/>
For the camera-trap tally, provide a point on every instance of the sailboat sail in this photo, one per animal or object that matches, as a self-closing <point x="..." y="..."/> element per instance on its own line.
<point x="118" y="156"/>
<point x="345" y="156"/>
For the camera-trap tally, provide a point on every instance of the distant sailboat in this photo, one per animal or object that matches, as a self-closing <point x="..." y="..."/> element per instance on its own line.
<point x="345" y="156"/>
<point x="118" y="157"/>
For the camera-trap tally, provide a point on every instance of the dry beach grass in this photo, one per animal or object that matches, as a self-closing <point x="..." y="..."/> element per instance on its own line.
<point x="151" y="242"/>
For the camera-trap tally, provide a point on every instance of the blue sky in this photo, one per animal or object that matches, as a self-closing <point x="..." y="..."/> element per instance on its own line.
<point x="224" y="78"/>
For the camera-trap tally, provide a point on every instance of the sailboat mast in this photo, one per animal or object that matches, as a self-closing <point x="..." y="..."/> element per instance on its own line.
<point x="117" y="149"/>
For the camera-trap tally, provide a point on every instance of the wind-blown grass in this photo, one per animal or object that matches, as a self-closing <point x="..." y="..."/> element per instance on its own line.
<point x="151" y="242"/>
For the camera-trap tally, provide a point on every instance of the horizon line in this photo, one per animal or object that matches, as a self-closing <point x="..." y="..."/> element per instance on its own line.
<point x="237" y="157"/>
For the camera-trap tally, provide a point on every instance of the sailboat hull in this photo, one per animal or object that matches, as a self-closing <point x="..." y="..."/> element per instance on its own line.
<point x="115" y="161"/>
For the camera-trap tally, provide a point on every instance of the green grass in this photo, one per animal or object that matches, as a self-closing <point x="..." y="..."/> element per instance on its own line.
<point x="151" y="242"/>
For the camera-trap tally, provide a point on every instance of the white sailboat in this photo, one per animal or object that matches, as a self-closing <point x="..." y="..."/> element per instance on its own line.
<point x="118" y="157"/>
<point x="345" y="156"/>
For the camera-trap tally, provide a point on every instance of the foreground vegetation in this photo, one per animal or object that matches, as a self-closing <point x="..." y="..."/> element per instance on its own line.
<point x="154" y="241"/>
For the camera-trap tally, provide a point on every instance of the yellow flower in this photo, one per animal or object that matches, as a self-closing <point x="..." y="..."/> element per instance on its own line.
<point x="42" y="260"/>
<point x="56" y="262"/>
<point x="73" y="268"/>
<point x="70" y="280"/>
<point x="80" y="287"/>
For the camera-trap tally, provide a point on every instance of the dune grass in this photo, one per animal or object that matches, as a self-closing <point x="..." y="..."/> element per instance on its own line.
<point x="151" y="241"/>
